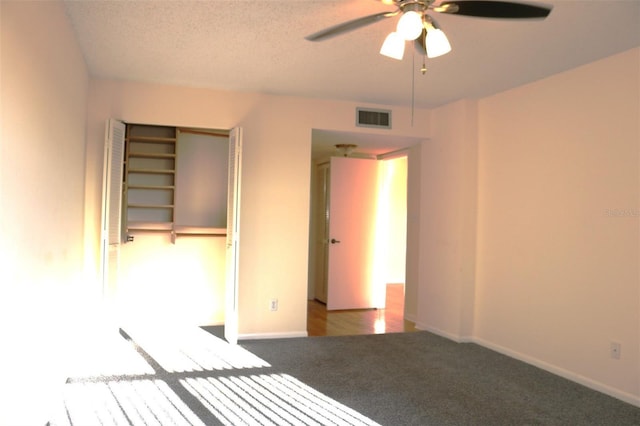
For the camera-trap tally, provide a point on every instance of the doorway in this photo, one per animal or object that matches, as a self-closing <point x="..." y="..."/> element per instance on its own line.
<point x="167" y="224"/>
<point x="389" y="247"/>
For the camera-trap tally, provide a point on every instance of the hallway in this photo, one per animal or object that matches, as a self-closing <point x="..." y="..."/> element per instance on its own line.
<point x="321" y="322"/>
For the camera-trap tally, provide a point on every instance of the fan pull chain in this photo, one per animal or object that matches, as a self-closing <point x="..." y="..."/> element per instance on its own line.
<point x="423" y="70"/>
<point x="413" y="81"/>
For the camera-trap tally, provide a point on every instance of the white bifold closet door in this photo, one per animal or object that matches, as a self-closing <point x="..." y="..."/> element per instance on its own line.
<point x="111" y="231"/>
<point x="233" y="236"/>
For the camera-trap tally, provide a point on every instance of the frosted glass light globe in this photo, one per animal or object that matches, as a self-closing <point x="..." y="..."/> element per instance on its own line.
<point x="393" y="46"/>
<point x="436" y="43"/>
<point x="410" y="25"/>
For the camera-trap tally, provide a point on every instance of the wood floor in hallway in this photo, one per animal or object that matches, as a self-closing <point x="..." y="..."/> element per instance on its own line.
<point x="321" y="322"/>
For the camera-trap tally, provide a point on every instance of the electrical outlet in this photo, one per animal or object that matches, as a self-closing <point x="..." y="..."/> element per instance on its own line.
<point x="273" y="305"/>
<point x="615" y="350"/>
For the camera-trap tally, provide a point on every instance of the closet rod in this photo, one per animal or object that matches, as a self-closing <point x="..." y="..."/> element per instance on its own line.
<point x="202" y="132"/>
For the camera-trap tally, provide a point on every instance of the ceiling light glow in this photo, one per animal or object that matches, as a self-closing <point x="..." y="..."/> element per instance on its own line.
<point x="393" y="46"/>
<point x="436" y="43"/>
<point x="410" y="25"/>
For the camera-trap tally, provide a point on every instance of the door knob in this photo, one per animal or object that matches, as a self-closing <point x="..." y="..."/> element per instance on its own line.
<point x="334" y="241"/>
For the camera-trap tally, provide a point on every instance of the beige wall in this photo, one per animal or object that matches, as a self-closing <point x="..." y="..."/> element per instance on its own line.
<point x="163" y="282"/>
<point x="447" y="222"/>
<point x="413" y="255"/>
<point x="529" y="224"/>
<point x="275" y="180"/>
<point x="395" y="187"/>
<point x="553" y="276"/>
<point x="558" y="276"/>
<point x="44" y="93"/>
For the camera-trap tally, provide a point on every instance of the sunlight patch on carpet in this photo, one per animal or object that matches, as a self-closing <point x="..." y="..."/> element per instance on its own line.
<point x="186" y="349"/>
<point x="107" y="354"/>
<point x="270" y="399"/>
<point x="187" y="376"/>
<point x="135" y="402"/>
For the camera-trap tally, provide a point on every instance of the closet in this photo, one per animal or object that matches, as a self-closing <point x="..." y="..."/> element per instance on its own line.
<point x="165" y="197"/>
<point x="175" y="181"/>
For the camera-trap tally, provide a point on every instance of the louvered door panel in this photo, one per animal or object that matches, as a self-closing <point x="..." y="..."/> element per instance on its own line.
<point x="116" y="142"/>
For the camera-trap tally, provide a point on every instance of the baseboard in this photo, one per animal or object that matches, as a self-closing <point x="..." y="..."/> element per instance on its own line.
<point x="585" y="381"/>
<point x="259" y="336"/>
<point x="445" y="334"/>
<point x="410" y="317"/>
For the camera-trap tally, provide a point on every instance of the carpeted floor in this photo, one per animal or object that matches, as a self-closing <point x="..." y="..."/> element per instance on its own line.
<point x="191" y="376"/>
<point x="187" y="376"/>
<point x="422" y="379"/>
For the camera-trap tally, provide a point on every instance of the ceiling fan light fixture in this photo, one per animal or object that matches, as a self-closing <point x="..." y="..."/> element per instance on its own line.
<point x="345" y="149"/>
<point x="437" y="43"/>
<point x="410" y="25"/>
<point x="393" y="46"/>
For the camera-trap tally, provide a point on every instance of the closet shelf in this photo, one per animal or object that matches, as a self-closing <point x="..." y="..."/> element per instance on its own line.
<point x="153" y="139"/>
<point x="150" y="206"/>
<point x="153" y="171"/>
<point x="163" y="187"/>
<point x="178" y="229"/>
<point x="199" y="230"/>
<point x="151" y="155"/>
<point x="151" y="182"/>
<point x="150" y="226"/>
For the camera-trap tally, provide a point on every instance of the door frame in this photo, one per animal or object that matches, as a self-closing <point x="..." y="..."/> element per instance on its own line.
<point x="316" y="239"/>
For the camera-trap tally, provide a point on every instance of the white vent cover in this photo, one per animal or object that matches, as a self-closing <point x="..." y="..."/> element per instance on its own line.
<point x="379" y="118"/>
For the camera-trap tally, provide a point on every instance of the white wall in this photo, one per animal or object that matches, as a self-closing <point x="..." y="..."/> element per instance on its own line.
<point x="413" y="255"/>
<point x="550" y="273"/>
<point x="201" y="180"/>
<point x="275" y="182"/>
<point x="44" y="93"/>
<point x="447" y="222"/>
<point x="558" y="274"/>
<point x="394" y="191"/>
<point x="181" y="283"/>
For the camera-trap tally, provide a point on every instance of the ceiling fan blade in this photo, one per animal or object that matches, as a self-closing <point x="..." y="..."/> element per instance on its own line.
<point x="493" y="9"/>
<point x="349" y="26"/>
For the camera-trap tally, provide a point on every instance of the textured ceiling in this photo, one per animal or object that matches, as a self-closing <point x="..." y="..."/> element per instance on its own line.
<point x="259" y="46"/>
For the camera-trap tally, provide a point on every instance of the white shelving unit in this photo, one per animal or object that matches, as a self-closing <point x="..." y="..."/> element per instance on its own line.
<point x="150" y="175"/>
<point x="151" y="180"/>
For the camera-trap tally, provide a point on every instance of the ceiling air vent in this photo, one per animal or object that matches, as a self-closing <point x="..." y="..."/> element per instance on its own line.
<point x="378" y="118"/>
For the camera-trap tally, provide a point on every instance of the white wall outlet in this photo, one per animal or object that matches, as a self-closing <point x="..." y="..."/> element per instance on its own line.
<point x="273" y="305"/>
<point x="615" y="349"/>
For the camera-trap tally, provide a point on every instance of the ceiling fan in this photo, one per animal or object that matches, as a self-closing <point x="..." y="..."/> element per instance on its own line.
<point x="415" y="23"/>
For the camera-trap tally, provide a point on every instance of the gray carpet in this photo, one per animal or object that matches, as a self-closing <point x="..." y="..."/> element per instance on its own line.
<point x="190" y="376"/>
<point x="423" y="379"/>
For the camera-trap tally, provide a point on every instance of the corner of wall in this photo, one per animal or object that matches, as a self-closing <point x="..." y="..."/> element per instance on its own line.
<point x="448" y="222"/>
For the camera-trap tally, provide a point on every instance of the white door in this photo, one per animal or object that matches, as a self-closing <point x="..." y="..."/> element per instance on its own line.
<point x="353" y="197"/>
<point x="111" y="232"/>
<point x="233" y="236"/>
